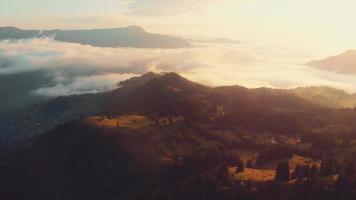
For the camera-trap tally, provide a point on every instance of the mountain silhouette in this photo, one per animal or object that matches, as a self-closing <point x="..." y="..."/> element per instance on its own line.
<point x="131" y="36"/>
<point x="344" y="63"/>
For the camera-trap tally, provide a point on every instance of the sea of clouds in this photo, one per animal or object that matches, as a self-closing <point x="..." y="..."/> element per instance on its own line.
<point x="78" y="69"/>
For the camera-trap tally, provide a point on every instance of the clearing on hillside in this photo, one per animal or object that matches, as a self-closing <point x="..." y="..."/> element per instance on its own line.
<point x="255" y="175"/>
<point x="127" y="121"/>
<point x="130" y="121"/>
<point x="295" y="160"/>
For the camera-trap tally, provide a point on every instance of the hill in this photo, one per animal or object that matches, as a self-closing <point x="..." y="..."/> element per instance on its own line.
<point x="90" y="159"/>
<point x="234" y="108"/>
<point x="15" y="90"/>
<point x="326" y="96"/>
<point x="344" y="63"/>
<point x="161" y="136"/>
<point x="131" y="36"/>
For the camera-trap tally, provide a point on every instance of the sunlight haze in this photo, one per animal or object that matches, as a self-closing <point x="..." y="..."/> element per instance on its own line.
<point x="177" y="100"/>
<point x="318" y="21"/>
<point x="274" y="37"/>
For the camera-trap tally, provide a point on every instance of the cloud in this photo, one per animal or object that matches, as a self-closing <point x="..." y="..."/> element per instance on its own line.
<point x="76" y="69"/>
<point x="83" y="85"/>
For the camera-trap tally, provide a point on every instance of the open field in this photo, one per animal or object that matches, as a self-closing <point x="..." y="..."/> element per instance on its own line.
<point x="128" y="121"/>
<point x="268" y="174"/>
<point x="255" y="175"/>
<point x="293" y="162"/>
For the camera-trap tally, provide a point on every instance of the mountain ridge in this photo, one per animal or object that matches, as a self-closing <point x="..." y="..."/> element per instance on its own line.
<point x="163" y="94"/>
<point x="165" y="137"/>
<point x="344" y="63"/>
<point x="326" y="96"/>
<point x="169" y="94"/>
<point x="130" y="36"/>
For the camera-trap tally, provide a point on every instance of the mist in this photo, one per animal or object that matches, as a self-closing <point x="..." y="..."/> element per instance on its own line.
<point x="77" y="69"/>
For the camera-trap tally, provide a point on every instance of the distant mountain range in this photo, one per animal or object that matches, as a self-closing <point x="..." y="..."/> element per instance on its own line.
<point x="344" y="63"/>
<point x="131" y="36"/>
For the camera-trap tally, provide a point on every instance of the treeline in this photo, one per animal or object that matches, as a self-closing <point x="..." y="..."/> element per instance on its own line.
<point x="205" y="175"/>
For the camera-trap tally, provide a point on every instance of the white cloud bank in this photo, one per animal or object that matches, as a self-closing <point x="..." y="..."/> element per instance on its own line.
<point x="78" y="69"/>
<point x="82" y="85"/>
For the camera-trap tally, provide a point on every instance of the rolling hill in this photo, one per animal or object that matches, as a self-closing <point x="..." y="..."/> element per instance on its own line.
<point x="232" y="108"/>
<point x="344" y="63"/>
<point x="161" y="136"/>
<point x="326" y="96"/>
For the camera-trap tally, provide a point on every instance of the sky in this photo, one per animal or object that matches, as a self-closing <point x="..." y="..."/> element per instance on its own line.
<point x="277" y="38"/>
<point x="326" y="22"/>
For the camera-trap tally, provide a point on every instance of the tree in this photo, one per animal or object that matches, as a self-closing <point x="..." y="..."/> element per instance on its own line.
<point x="306" y="170"/>
<point x="314" y="172"/>
<point x="298" y="172"/>
<point x="240" y="166"/>
<point x="223" y="173"/>
<point x="231" y="160"/>
<point x="157" y="122"/>
<point x="329" y="167"/>
<point x="170" y="120"/>
<point x="350" y="169"/>
<point x="282" y="172"/>
<point x="249" y="164"/>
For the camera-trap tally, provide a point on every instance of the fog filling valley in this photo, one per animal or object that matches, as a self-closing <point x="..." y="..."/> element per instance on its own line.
<point x="68" y="69"/>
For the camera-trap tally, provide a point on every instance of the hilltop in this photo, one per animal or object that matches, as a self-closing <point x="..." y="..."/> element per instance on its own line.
<point x="344" y="63"/>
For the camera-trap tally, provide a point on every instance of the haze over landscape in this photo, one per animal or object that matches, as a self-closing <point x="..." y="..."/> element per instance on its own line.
<point x="177" y="99"/>
<point x="270" y="44"/>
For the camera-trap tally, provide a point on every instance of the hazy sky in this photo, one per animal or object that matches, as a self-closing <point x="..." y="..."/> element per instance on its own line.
<point x="278" y="37"/>
<point x="319" y="22"/>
